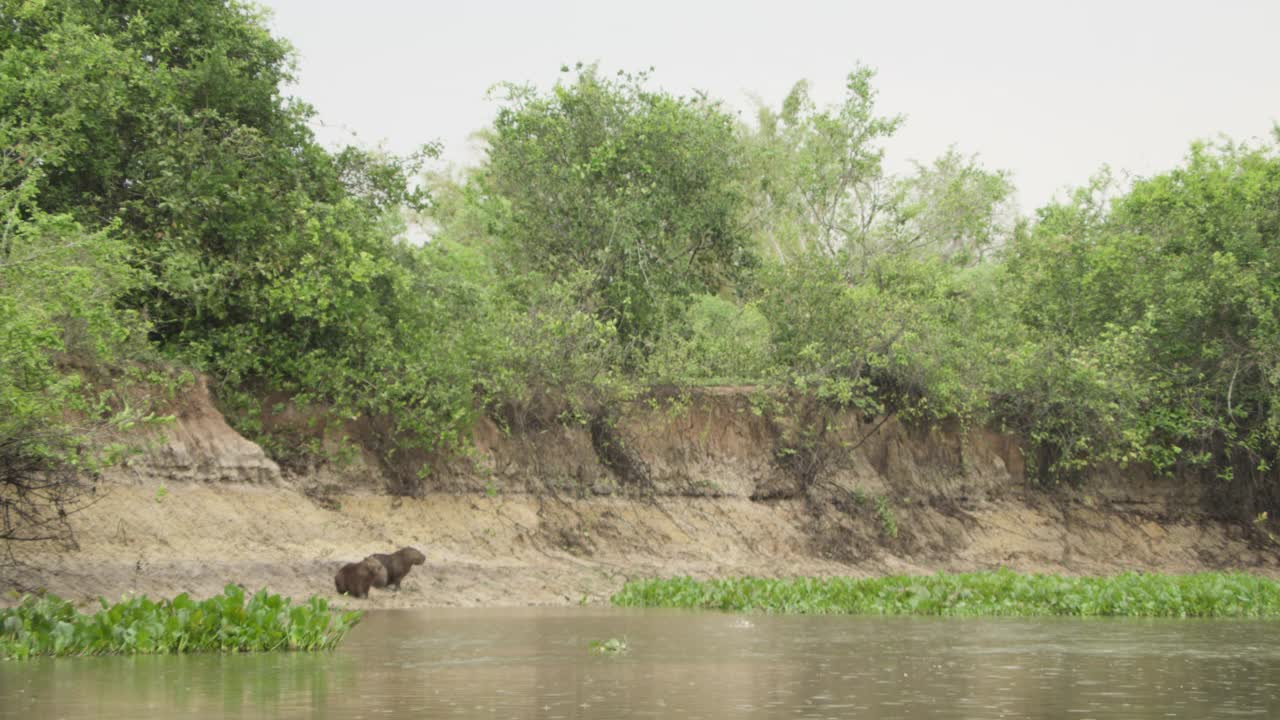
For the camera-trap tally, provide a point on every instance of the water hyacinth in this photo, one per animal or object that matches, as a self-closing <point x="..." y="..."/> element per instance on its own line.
<point x="230" y="622"/>
<point x="1001" y="593"/>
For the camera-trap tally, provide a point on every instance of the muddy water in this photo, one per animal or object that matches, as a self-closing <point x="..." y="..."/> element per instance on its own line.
<point x="537" y="663"/>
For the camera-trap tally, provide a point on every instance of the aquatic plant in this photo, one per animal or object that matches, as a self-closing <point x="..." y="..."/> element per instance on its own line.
<point x="612" y="646"/>
<point x="1001" y="593"/>
<point x="230" y="622"/>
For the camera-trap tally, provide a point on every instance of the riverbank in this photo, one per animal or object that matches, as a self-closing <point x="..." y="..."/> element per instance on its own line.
<point x="545" y="517"/>
<point x="528" y="549"/>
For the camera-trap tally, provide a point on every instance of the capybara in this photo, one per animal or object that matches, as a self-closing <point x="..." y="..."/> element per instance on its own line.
<point x="398" y="564"/>
<point x="356" y="578"/>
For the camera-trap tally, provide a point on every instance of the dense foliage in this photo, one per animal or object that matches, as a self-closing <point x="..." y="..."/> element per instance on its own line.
<point x="972" y="594"/>
<point x="231" y="622"/>
<point x="157" y="176"/>
<point x="637" y="187"/>
<point x="61" y="323"/>
<point x="58" y="286"/>
<point x="1153" y="320"/>
<point x="163" y="197"/>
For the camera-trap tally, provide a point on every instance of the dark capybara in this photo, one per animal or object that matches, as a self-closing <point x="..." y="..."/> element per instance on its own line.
<point x="356" y="578"/>
<point x="398" y="564"/>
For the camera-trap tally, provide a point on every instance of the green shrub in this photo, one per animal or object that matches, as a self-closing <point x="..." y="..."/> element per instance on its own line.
<point x="717" y="341"/>
<point x="261" y="257"/>
<point x="902" y="337"/>
<point x="556" y="358"/>
<point x="638" y="187"/>
<point x="1149" y="322"/>
<point x="69" y="359"/>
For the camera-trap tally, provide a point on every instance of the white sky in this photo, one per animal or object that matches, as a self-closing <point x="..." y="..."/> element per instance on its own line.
<point x="1048" y="90"/>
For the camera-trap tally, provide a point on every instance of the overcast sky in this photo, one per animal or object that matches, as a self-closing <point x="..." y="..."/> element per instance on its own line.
<point x="1047" y="90"/>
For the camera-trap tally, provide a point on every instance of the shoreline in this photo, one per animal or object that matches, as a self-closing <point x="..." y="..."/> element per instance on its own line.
<point x="543" y="516"/>
<point x="523" y="549"/>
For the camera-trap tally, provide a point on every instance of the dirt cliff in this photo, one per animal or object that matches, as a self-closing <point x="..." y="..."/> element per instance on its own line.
<point x="713" y="483"/>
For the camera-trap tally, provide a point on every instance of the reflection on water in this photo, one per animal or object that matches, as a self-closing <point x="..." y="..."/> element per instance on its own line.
<point x="536" y="663"/>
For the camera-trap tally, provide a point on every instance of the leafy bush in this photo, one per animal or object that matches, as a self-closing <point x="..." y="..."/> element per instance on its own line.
<point x="718" y="341"/>
<point x="903" y="337"/>
<point x="257" y="255"/>
<point x="1150" y="321"/>
<point x="63" y="345"/>
<point x="558" y="358"/>
<point x="231" y="622"/>
<point x="972" y="594"/>
<point x="638" y="187"/>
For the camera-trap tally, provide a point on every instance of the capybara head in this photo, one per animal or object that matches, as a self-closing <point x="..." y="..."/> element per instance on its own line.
<point x="412" y="556"/>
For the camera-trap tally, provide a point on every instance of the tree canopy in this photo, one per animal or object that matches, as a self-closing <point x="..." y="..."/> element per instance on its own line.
<point x="640" y="188"/>
<point x="163" y="202"/>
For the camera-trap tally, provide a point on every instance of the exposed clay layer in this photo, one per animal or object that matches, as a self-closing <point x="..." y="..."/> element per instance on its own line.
<point x="521" y="549"/>
<point x="561" y="514"/>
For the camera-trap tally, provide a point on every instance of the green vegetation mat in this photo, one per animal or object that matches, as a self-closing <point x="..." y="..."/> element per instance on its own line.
<point x="972" y="594"/>
<point x="231" y="622"/>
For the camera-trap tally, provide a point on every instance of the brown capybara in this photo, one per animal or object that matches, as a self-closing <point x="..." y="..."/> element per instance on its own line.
<point x="356" y="578"/>
<point x="398" y="564"/>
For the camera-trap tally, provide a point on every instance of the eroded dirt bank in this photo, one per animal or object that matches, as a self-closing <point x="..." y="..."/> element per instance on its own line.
<point x="550" y="514"/>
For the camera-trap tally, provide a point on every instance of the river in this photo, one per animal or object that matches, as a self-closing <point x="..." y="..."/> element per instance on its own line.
<point x="539" y="663"/>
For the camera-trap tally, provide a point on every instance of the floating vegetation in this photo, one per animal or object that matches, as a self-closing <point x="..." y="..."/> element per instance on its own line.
<point x="612" y="646"/>
<point x="231" y="622"/>
<point x="1002" y="593"/>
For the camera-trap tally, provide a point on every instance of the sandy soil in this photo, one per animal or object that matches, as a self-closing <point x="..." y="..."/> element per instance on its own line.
<point x="161" y="539"/>
<point x="558" y="515"/>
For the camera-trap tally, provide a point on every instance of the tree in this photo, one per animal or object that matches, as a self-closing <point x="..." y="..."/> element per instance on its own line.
<point x="821" y="182"/>
<point x="637" y="187"/>
<point x="953" y="207"/>
<point x="905" y="336"/>
<point x="261" y="257"/>
<point x="1166" y="296"/>
<point x="821" y="187"/>
<point x="58" y="322"/>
